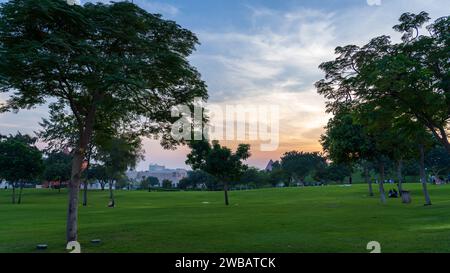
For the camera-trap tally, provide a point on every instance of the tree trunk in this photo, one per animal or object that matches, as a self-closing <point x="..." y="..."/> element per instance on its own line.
<point x="381" y="183"/>
<point x="444" y="138"/>
<point x="225" y="189"/>
<point x="74" y="188"/>
<point x="102" y="186"/>
<point x="20" y="193"/>
<point x="350" y="179"/>
<point x="423" y="176"/>
<point x="368" y="180"/>
<point x="399" y="176"/>
<point x="85" y="194"/>
<point x="14" y="192"/>
<point x="111" y="195"/>
<point x="85" y="184"/>
<point x="75" y="181"/>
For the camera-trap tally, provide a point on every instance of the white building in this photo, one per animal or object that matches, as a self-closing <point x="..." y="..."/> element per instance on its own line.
<point x="160" y="172"/>
<point x="4" y="185"/>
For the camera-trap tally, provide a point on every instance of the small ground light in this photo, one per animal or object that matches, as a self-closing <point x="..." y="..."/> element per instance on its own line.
<point x="96" y="241"/>
<point x="41" y="246"/>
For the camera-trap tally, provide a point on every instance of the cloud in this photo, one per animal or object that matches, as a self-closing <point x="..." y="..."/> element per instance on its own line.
<point x="374" y="2"/>
<point x="280" y="52"/>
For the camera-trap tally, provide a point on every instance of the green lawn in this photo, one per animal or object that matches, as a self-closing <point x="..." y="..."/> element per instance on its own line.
<point x="311" y="219"/>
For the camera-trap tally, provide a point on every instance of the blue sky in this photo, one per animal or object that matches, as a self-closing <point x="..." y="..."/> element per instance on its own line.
<point x="266" y="52"/>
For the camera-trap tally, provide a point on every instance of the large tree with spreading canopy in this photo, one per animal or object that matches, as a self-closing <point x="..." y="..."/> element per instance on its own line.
<point x="411" y="77"/>
<point x="113" y="66"/>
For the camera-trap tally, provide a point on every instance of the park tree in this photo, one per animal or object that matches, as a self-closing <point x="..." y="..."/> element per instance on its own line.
<point x="97" y="172"/>
<point x="149" y="182"/>
<point x="117" y="155"/>
<point x="406" y="79"/>
<point x="166" y="184"/>
<point x="364" y="133"/>
<point x="59" y="132"/>
<point x="145" y="184"/>
<point x="332" y="173"/>
<point x="255" y="178"/>
<point x="185" y="183"/>
<point x="277" y="175"/>
<point x="123" y="182"/>
<point x="57" y="167"/>
<point x="412" y="75"/>
<point x="388" y="144"/>
<point x="346" y="142"/>
<point x="20" y="162"/>
<point x="298" y="165"/>
<point x="153" y="181"/>
<point x="198" y="178"/>
<point x="417" y="141"/>
<point x="114" y="64"/>
<point x="219" y="161"/>
<point x="396" y="137"/>
<point x="437" y="160"/>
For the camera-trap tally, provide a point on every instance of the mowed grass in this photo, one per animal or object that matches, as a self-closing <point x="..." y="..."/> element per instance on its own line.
<point x="311" y="219"/>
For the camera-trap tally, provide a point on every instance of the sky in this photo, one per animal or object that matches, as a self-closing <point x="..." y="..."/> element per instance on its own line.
<point x="264" y="52"/>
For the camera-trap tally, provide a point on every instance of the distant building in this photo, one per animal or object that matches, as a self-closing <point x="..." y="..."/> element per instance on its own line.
<point x="160" y="172"/>
<point x="156" y="168"/>
<point x="269" y="166"/>
<point x="4" y="185"/>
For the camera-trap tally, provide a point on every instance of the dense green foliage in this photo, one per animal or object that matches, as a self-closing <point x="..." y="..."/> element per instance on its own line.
<point x="408" y="80"/>
<point x="148" y="182"/>
<point x="391" y="100"/>
<point x="219" y="161"/>
<point x="20" y="161"/>
<point x="198" y="179"/>
<point x="57" y="167"/>
<point x="298" y="165"/>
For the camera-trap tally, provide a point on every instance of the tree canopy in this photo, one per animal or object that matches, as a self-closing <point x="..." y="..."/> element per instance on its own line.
<point x="111" y="67"/>
<point x="219" y="161"/>
<point x="20" y="160"/>
<point x="57" y="166"/>
<point x="298" y="165"/>
<point x="409" y="79"/>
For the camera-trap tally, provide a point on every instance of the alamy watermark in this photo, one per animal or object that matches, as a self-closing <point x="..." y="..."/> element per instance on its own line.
<point x="228" y="122"/>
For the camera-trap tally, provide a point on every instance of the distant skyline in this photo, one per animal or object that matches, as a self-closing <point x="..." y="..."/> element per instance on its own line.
<point x="264" y="52"/>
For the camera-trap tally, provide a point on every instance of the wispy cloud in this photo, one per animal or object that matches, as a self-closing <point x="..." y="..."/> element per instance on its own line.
<point x="279" y="53"/>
